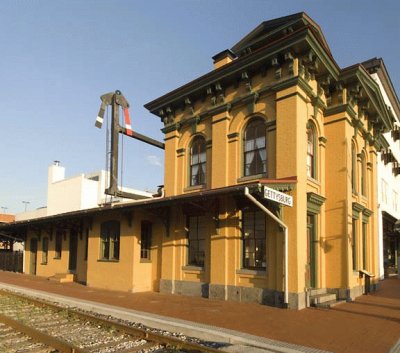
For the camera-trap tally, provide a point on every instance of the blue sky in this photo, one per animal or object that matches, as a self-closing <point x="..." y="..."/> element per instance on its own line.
<point x="58" y="57"/>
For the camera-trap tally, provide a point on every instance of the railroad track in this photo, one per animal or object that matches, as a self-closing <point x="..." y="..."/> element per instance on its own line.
<point x="12" y="340"/>
<point x="32" y="325"/>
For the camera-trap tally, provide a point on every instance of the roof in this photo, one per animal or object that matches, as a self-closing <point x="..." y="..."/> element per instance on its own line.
<point x="271" y="30"/>
<point x="267" y="40"/>
<point x="284" y="184"/>
<point x="377" y="65"/>
<point x="6" y="218"/>
<point x="358" y="73"/>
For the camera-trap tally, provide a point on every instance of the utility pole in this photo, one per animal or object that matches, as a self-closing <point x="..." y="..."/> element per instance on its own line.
<point x="26" y="204"/>
<point x="4" y="209"/>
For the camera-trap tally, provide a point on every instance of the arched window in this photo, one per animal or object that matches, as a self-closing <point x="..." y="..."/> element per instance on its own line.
<point x="198" y="162"/>
<point x="363" y="180"/>
<point x="353" y="168"/>
<point x="311" y="151"/>
<point x="255" y="152"/>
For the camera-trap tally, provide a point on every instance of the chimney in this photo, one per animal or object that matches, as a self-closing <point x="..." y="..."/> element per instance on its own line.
<point x="56" y="172"/>
<point x="223" y="58"/>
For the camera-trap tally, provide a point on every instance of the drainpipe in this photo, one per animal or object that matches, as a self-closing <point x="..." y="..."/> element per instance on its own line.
<point x="286" y="231"/>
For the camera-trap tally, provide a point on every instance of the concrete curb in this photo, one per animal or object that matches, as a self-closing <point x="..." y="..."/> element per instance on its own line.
<point x="237" y="341"/>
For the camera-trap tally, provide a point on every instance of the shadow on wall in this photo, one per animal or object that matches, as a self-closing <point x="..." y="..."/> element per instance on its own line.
<point x="327" y="242"/>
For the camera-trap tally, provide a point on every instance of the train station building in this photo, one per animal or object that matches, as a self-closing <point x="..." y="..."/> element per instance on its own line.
<point x="270" y="184"/>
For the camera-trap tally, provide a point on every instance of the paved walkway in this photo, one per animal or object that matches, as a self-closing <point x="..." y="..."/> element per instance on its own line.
<point x="370" y="324"/>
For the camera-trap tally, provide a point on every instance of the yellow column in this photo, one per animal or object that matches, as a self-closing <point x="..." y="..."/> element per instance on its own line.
<point x="171" y="167"/>
<point x="291" y="120"/>
<point x="220" y="157"/>
<point x="338" y="207"/>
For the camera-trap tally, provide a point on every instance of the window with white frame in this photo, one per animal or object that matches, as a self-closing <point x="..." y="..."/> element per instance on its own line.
<point x="198" y="161"/>
<point x="254" y="148"/>
<point x="311" y="151"/>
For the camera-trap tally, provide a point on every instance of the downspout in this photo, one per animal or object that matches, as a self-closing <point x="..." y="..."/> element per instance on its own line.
<point x="286" y="232"/>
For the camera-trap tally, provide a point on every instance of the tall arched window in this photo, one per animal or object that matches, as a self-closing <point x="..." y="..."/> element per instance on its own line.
<point x="255" y="152"/>
<point x="353" y="168"/>
<point x="198" y="162"/>
<point x="363" y="180"/>
<point x="311" y="151"/>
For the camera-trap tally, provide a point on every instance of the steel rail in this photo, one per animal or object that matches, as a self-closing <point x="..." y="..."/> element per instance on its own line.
<point x="133" y="331"/>
<point x="39" y="336"/>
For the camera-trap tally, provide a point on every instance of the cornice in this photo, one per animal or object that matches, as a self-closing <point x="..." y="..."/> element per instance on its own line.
<point x="341" y="108"/>
<point x="357" y="208"/>
<point x="251" y="97"/>
<point x="234" y="70"/>
<point x="314" y="202"/>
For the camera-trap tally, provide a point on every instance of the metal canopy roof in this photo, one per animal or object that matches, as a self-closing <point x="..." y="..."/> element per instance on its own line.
<point x="11" y="229"/>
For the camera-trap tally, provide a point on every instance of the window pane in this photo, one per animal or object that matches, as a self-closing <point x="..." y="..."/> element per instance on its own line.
<point x="45" y="247"/>
<point x="109" y="245"/>
<point x="254" y="239"/>
<point x="196" y="240"/>
<point x="58" y="246"/>
<point x="254" y="143"/>
<point x="145" y="240"/>
<point x="310" y="152"/>
<point x="198" y="162"/>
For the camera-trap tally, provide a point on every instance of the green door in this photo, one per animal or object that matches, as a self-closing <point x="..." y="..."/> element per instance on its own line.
<point x="33" y="256"/>
<point x="311" y="252"/>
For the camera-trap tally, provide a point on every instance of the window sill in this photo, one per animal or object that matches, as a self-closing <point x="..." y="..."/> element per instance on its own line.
<point x="364" y="198"/>
<point x="145" y="261"/>
<point x="43" y="263"/>
<point x="314" y="181"/>
<point x="107" y="260"/>
<point x="252" y="273"/>
<point x="57" y="258"/>
<point x="251" y="177"/>
<point x="193" y="269"/>
<point x="195" y="187"/>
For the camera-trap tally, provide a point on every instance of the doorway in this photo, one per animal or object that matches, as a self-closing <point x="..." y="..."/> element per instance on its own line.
<point x="73" y="250"/>
<point x="33" y="256"/>
<point x="311" y="273"/>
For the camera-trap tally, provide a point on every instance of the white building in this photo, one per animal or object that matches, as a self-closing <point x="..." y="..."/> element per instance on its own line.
<point x="388" y="171"/>
<point x="76" y="193"/>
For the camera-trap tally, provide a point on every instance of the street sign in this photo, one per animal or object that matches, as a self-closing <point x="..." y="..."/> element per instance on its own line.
<point x="277" y="196"/>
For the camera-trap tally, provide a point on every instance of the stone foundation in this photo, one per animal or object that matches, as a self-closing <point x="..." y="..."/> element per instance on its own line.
<point x="189" y="288"/>
<point x="233" y="293"/>
<point x="352" y="293"/>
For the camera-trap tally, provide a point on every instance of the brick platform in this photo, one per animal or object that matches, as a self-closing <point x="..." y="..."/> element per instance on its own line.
<point x="370" y="324"/>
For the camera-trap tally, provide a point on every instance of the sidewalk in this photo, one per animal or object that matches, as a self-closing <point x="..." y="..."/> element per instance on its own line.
<point x="370" y="324"/>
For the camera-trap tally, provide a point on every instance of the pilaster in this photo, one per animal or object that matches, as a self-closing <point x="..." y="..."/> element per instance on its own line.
<point x="291" y="120"/>
<point x="220" y="156"/>
<point x="171" y="165"/>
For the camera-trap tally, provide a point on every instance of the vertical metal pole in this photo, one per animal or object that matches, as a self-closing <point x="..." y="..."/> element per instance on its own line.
<point x="286" y="245"/>
<point x="286" y="270"/>
<point x="113" y="188"/>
